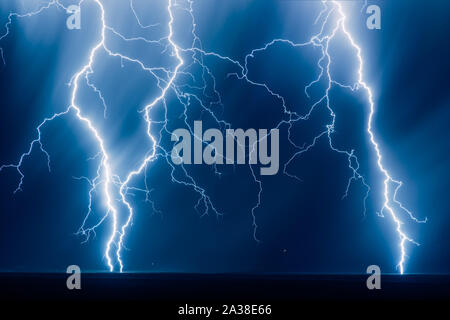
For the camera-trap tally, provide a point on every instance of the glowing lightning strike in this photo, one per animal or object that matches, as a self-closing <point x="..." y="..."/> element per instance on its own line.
<point x="151" y="156"/>
<point x="112" y="182"/>
<point x="388" y="195"/>
<point x="108" y="179"/>
<point x="105" y="158"/>
<point x="322" y="41"/>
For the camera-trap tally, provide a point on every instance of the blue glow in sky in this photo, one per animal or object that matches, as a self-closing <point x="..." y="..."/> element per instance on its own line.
<point x="120" y="85"/>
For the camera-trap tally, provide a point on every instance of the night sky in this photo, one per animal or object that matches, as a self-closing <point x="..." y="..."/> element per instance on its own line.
<point x="302" y="226"/>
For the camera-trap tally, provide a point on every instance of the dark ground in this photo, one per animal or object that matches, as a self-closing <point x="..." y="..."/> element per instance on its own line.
<point x="290" y="296"/>
<point x="222" y="287"/>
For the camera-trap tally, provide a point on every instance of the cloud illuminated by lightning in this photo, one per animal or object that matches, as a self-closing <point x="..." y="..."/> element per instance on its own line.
<point x="332" y="14"/>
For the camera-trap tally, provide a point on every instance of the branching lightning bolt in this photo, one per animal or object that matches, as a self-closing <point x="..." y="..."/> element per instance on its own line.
<point x="332" y="13"/>
<point x="390" y="197"/>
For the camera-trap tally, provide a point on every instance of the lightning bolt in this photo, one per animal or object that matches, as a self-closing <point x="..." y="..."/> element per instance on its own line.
<point x="332" y="13"/>
<point x="390" y="197"/>
<point x="105" y="176"/>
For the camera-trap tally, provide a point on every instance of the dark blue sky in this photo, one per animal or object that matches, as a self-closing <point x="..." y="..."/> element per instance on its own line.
<point x="302" y="226"/>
